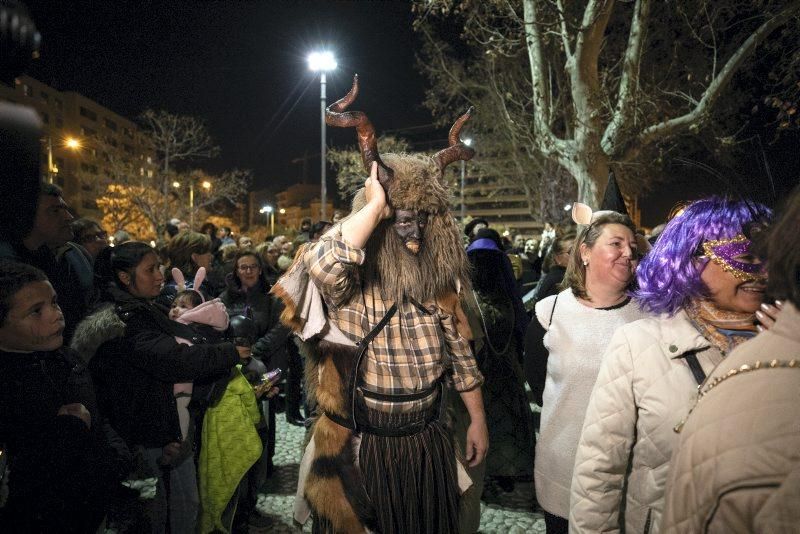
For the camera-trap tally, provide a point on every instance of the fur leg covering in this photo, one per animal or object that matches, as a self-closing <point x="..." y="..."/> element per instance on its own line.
<point x="334" y="487"/>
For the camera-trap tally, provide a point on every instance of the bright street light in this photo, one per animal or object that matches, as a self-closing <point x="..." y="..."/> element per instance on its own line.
<point x="282" y="211"/>
<point x="206" y="184"/>
<point x="322" y="62"/>
<point x="567" y="207"/>
<point x="73" y="143"/>
<point x="176" y="185"/>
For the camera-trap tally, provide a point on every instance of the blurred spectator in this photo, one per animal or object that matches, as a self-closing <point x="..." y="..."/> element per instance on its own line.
<point x="47" y="247"/>
<point x="269" y="252"/>
<point x="473" y="226"/>
<point x="304" y="235"/>
<point x="319" y="228"/>
<point x="556" y="261"/>
<point x="170" y="231"/>
<point x="210" y="230"/>
<point x="184" y="227"/>
<point x="224" y="234"/>
<point x="120" y="237"/>
<point x="286" y="257"/>
<point x="188" y="251"/>
<point x="245" y="242"/>
<point x="90" y="236"/>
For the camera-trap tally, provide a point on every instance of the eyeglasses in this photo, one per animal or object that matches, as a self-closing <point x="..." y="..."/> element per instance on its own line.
<point x="248" y="268"/>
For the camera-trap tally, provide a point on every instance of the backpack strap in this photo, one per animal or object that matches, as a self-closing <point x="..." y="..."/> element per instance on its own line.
<point x="552" y="312"/>
<point x="694" y="365"/>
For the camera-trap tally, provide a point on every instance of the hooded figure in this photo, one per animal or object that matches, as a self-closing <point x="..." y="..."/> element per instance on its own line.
<point x="377" y="301"/>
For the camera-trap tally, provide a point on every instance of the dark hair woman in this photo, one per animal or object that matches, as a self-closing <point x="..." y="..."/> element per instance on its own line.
<point x="247" y="294"/>
<point x="135" y="360"/>
<point x="188" y="251"/>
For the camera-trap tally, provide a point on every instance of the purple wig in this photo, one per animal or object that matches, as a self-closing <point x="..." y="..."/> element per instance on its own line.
<point x="669" y="275"/>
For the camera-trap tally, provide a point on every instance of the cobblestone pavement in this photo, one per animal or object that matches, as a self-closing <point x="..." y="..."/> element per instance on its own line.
<point x="509" y="513"/>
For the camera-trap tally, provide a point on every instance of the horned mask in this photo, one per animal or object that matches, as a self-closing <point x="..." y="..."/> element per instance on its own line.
<point x="418" y="193"/>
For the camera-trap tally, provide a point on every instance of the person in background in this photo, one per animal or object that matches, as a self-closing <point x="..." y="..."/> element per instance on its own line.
<point x="245" y="242"/>
<point x="62" y="467"/>
<point x="269" y="253"/>
<point x="319" y="228"/>
<point x="187" y="252"/>
<point x="183" y="226"/>
<point x="563" y="348"/>
<point x="497" y="320"/>
<point x="712" y="481"/>
<point x="224" y="235"/>
<point x="48" y="246"/>
<point x="304" y="234"/>
<point x="120" y="237"/>
<point x="247" y="294"/>
<point x="287" y="256"/>
<point x="129" y="344"/>
<point x="557" y="260"/>
<point x="703" y="286"/>
<point x="170" y="231"/>
<point x="90" y="236"/>
<point x="210" y="230"/>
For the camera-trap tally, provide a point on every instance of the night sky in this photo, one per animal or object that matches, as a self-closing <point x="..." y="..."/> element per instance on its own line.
<point x="241" y="66"/>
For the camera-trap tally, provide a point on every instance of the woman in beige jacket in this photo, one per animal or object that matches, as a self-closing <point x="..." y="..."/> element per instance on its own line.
<point x="705" y="287"/>
<point x="736" y="468"/>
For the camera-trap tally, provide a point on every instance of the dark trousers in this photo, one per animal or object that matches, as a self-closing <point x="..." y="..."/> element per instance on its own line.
<point x="294" y="380"/>
<point x="555" y="524"/>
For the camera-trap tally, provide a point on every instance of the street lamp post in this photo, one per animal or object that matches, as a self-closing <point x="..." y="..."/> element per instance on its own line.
<point x="467" y="142"/>
<point x="269" y="209"/>
<point x="205" y="184"/>
<point x="322" y="62"/>
<point x="69" y="142"/>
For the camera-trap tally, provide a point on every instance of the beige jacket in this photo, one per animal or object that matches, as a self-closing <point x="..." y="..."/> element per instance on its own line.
<point x="644" y="388"/>
<point x="736" y="468"/>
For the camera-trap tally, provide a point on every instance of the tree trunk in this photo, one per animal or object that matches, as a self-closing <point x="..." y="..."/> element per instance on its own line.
<point x="590" y="172"/>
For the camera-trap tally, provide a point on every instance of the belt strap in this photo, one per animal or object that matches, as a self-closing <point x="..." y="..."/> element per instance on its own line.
<point x="399" y="397"/>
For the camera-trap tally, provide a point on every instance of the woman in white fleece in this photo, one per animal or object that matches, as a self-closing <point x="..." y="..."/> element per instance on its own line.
<point x="564" y="345"/>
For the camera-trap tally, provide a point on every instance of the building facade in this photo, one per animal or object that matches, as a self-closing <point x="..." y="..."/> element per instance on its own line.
<point x="77" y="136"/>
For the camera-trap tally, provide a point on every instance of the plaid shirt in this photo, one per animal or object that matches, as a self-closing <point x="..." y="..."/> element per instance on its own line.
<point x="411" y="353"/>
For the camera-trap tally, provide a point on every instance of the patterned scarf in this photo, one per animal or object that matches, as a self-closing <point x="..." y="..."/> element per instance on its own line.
<point x="724" y="329"/>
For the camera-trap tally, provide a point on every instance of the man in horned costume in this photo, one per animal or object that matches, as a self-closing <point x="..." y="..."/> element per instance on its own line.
<point x="378" y="299"/>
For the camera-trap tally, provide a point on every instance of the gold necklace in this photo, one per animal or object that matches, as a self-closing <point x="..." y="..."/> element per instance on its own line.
<point x="745" y="368"/>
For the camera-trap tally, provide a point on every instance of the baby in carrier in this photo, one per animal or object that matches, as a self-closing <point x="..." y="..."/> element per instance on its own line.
<point x="207" y="318"/>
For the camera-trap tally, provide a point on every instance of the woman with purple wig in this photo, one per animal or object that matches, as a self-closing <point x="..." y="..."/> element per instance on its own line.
<point x="705" y="287"/>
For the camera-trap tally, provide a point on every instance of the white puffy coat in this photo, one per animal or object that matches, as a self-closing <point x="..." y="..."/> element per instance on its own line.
<point x="645" y="387"/>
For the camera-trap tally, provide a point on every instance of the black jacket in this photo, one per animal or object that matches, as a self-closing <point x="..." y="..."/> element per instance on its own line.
<point x="135" y="372"/>
<point x="265" y="310"/>
<point x="61" y="472"/>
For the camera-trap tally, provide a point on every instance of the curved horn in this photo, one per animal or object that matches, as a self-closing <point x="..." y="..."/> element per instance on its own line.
<point x="457" y="150"/>
<point x="335" y="115"/>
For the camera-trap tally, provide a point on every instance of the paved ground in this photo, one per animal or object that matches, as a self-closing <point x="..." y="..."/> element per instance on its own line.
<point x="509" y="513"/>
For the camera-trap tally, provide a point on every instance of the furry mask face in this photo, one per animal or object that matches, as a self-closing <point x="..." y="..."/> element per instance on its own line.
<point x="410" y="226"/>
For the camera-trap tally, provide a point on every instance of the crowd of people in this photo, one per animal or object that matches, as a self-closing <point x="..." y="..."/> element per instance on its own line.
<point x="140" y="383"/>
<point x="134" y="390"/>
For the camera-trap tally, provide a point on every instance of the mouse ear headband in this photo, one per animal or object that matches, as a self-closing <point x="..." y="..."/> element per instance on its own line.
<point x="180" y="280"/>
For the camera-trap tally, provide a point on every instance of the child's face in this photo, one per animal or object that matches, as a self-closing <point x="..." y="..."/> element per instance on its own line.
<point x="34" y="322"/>
<point x="180" y="306"/>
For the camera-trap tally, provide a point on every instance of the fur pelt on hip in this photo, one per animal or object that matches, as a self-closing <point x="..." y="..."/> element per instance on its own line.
<point x="334" y="487"/>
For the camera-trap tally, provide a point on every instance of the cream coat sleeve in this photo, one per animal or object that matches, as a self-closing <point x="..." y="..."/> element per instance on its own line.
<point x="606" y="441"/>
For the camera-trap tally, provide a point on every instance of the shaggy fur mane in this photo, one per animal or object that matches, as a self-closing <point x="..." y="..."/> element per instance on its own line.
<point x="441" y="262"/>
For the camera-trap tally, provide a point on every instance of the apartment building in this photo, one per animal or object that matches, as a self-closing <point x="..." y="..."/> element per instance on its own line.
<point x="71" y="155"/>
